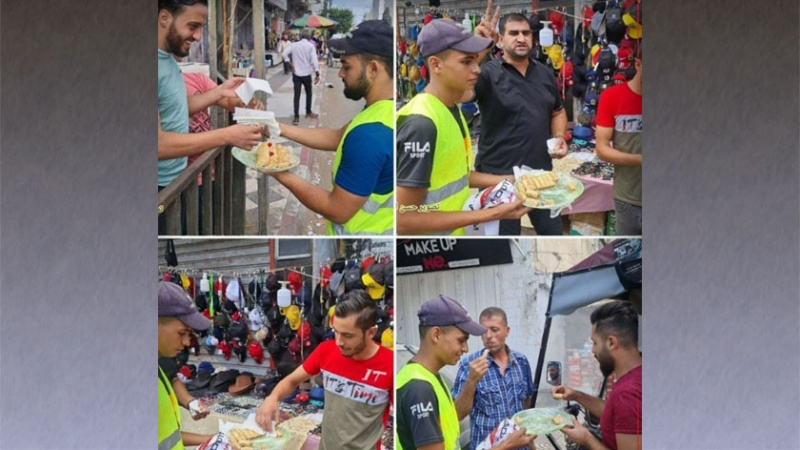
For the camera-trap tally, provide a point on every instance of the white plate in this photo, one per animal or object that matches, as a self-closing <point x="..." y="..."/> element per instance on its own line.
<point x="248" y="158"/>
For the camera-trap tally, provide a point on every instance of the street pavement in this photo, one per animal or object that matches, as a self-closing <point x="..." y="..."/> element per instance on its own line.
<point x="286" y="216"/>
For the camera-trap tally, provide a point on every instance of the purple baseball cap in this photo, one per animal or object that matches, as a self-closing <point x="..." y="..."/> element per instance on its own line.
<point x="444" y="34"/>
<point x="173" y="301"/>
<point x="444" y="311"/>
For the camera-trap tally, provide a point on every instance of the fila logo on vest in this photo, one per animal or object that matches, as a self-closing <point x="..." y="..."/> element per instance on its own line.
<point x="416" y="149"/>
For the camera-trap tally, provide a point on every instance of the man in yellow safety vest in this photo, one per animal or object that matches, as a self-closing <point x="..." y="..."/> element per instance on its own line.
<point x="434" y="148"/>
<point x="362" y="198"/>
<point x="177" y="316"/>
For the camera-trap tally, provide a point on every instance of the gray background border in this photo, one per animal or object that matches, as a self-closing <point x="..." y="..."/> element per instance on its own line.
<point x="78" y="232"/>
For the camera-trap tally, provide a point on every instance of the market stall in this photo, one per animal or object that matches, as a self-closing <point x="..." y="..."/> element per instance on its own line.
<point x="588" y="44"/>
<point x="270" y="303"/>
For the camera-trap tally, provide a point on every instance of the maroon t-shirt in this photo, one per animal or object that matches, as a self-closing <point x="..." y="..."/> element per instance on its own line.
<point x="623" y="411"/>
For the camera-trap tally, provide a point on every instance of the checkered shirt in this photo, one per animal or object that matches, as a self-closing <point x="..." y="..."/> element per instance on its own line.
<point x="497" y="396"/>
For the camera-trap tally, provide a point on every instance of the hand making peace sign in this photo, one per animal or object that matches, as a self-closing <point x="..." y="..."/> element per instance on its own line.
<point x="487" y="27"/>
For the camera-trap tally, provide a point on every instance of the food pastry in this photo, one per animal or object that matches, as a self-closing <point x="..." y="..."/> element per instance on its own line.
<point x="273" y="156"/>
<point x="241" y="438"/>
<point x="530" y="185"/>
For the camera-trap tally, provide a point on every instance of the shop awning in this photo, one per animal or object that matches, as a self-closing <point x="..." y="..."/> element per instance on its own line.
<point x="613" y="272"/>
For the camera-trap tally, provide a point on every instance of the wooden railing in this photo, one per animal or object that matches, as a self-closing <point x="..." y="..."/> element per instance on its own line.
<point x="223" y="199"/>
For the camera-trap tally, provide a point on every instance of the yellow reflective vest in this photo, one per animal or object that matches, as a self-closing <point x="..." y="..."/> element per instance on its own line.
<point x="169" y="415"/>
<point x="448" y="417"/>
<point x="376" y="215"/>
<point x="452" y="158"/>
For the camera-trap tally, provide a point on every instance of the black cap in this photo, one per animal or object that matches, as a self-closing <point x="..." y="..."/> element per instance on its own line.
<point x="370" y="36"/>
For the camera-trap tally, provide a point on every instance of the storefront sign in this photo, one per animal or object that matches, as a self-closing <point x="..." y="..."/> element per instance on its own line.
<point x="431" y="255"/>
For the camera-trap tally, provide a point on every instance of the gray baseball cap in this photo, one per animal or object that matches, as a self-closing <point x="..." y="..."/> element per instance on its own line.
<point x="444" y="34"/>
<point x="444" y="311"/>
<point x="173" y="301"/>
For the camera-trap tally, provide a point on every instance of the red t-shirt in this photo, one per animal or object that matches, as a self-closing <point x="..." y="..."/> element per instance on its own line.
<point x="623" y="411"/>
<point x="196" y="84"/>
<point x="357" y="396"/>
<point x="621" y="109"/>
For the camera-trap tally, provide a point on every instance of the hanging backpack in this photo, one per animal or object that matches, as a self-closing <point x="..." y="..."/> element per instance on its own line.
<point x="169" y="254"/>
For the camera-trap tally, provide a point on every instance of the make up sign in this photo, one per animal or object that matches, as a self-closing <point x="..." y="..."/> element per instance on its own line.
<point x="432" y="255"/>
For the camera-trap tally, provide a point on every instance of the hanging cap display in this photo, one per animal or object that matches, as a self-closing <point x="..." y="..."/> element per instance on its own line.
<point x="255" y="320"/>
<point x="256" y="352"/>
<point x="232" y="291"/>
<point x="225" y="349"/>
<point x="261" y="334"/>
<point x="295" y="281"/>
<point x="634" y="27"/>
<point x="387" y="338"/>
<point x="555" y="52"/>
<point x="374" y="289"/>
<point x="337" y="287"/>
<point x="325" y="273"/>
<point x="293" y="316"/>
<point x="184" y="282"/>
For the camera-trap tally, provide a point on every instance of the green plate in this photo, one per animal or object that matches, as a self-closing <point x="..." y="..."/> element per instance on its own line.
<point x="559" y="194"/>
<point x="539" y="421"/>
<point x="248" y="158"/>
<point x="271" y="442"/>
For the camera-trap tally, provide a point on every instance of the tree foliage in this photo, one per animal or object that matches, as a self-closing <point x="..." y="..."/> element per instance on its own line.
<point x="344" y="17"/>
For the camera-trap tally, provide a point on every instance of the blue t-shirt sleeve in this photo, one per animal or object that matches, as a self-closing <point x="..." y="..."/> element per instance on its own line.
<point x="366" y="164"/>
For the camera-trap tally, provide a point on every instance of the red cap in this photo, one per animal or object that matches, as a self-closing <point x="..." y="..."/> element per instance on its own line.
<point x="295" y="281"/>
<point x="325" y="273"/>
<point x="225" y="348"/>
<point x="219" y="285"/>
<point x="257" y="352"/>
<point x="185" y="371"/>
<point x="367" y="262"/>
<point x="588" y="12"/>
<point x="557" y="19"/>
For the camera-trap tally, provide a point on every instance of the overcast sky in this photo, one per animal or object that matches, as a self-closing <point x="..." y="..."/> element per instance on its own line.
<point x="359" y="7"/>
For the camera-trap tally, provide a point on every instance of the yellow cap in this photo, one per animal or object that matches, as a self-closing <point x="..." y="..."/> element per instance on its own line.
<point x="374" y="289"/>
<point x="387" y="338"/>
<point x="293" y="316"/>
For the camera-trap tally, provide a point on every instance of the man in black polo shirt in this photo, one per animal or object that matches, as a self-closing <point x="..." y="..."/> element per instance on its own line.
<point x="520" y="109"/>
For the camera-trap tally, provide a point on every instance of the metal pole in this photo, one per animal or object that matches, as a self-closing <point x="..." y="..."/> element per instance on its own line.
<point x="543" y="347"/>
